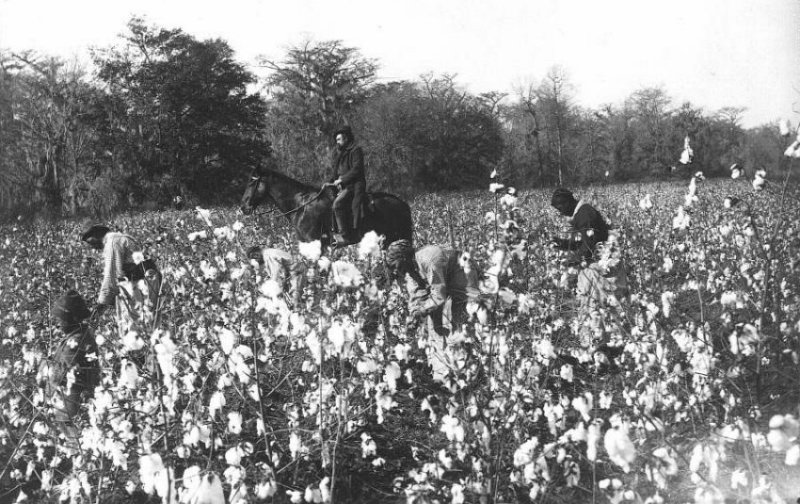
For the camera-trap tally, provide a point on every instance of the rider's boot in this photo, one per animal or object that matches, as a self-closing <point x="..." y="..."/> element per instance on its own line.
<point x="343" y="237"/>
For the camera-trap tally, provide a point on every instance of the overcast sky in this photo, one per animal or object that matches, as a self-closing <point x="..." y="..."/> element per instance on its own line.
<point x="714" y="53"/>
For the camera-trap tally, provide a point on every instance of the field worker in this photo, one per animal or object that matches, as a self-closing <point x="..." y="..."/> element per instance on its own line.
<point x="435" y="276"/>
<point x="588" y="227"/>
<point x="122" y="259"/>
<point x="350" y="178"/>
<point x="603" y="281"/>
<point x="289" y="273"/>
<point x="73" y="371"/>
<point x="440" y="283"/>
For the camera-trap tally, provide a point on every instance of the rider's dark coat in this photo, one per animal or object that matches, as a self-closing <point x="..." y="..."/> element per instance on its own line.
<point x="348" y="164"/>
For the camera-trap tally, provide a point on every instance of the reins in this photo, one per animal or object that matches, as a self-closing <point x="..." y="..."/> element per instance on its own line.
<point x="293" y="210"/>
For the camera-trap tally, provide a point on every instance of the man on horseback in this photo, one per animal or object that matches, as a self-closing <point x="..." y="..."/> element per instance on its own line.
<point x="349" y="178"/>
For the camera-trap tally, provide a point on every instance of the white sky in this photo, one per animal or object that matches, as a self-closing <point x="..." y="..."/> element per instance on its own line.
<point x="714" y="53"/>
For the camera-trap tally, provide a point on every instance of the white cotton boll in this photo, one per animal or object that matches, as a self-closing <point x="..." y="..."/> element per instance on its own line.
<point x="728" y="299"/>
<point x="346" y="275"/>
<point x="524" y="454"/>
<point x="493" y="174"/>
<point x="216" y="403"/>
<point x="401" y="351"/>
<point x="271" y="289"/>
<point x="391" y="374"/>
<point x="738" y="479"/>
<point x="592" y="440"/>
<point x="646" y="203"/>
<point x="581" y="406"/>
<point x="129" y="375"/>
<point x="778" y="440"/>
<point x="793" y="455"/>
<point x="235" y="422"/>
<point x="785" y="127"/>
<point x="224" y="233"/>
<point x="295" y="445"/>
<point x="495" y="187"/>
<point x="149" y="468"/>
<point x="366" y="366"/>
<point x="667" y="298"/>
<point x="465" y="262"/>
<point x="619" y="447"/>
<point x="566" y="373"/>
<point x="324" y="263"/>
<point x="233" y="456"/>
<point x="685" y="157"/>
<point x="313" y="344"/>
<point x="456" y="494"/>
<point x="452" y="428"/>
<point x="681" y="220"/>
<point x="266" y="489"/>
<point x="210" y="491"/>
<point x="227" y="340"/>
<point x="758" y="183"/>
<point x="198" y="235"/>
<point x="324" y="489"/>
<point x="310" y="250"/>
<point x="368" y="446"/>
<point x="204" y="215"/>
<point x="138" y="257"/>
<point x="341" y="339"/>
<point x="508" y="200"/>
<point x="693" y="186"/>
<point x="370" y="245"/>
<point x="482" y="314"/>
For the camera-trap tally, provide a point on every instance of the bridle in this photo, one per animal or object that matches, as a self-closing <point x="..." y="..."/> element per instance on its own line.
<point x="257" y="178"/>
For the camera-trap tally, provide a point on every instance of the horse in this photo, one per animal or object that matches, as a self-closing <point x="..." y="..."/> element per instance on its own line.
<point x="309" y="208"/>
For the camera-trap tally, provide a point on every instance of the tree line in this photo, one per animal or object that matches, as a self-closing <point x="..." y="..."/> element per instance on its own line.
<point x="164" y="114"/>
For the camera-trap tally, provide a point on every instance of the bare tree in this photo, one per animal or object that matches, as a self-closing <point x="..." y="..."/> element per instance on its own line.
<point x="321" y="81"/>
<point x="529" y="99"/>
<point x="556" y="95"/>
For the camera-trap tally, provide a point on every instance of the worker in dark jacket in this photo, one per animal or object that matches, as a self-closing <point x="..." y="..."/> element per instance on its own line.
<point x="603" y="281"/>
<point x="349" y="177"/>
<point x="588" y="227"/>
<point x="72" y="373"/>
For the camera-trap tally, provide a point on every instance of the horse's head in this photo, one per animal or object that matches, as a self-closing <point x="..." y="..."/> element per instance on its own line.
<point x="254" y="192"/>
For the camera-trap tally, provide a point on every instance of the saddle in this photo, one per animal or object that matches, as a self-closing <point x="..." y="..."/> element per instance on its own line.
<point x="368" y="208"/>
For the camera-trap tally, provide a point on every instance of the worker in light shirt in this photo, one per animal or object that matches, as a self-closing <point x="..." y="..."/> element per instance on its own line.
<point x="123" y="259"/>
<point x="279" y="265"/>
<point x="433" y="276"/>
<point x="440" y="284"/>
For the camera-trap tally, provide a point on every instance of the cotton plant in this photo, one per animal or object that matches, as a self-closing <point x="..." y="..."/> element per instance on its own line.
<point x="208" y="390"/>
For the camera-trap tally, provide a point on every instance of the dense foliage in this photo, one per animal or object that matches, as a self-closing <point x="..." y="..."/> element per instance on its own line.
<point x="684" y="388"/>
<point x="163" y="114"/>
